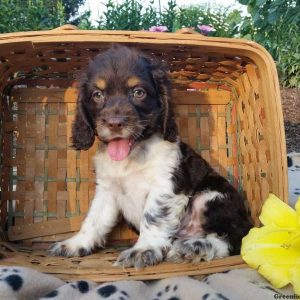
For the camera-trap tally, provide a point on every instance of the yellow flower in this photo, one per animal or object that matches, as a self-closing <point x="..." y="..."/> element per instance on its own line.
<point x="274" y="249"/>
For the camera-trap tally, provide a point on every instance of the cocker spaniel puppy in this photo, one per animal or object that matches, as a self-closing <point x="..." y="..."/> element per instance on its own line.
<point x="182" y="208"/>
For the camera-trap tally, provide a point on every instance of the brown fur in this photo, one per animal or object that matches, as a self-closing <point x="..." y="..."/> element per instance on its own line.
<point x="116" y="67"/>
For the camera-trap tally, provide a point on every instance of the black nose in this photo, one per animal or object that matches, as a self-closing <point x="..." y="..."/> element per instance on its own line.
<point x="115" y="123"/>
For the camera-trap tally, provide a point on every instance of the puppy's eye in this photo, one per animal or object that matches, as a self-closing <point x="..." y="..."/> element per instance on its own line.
<point x="139" y="93"/>
<point x="98" y="96"/>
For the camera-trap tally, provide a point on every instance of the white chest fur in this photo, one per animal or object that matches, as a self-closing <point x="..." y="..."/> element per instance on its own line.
<point x="150" y="164"/>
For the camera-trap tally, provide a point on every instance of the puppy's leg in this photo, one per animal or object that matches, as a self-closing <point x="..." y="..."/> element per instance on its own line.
<point x="102" y="216"/>
<point x="198" y="248"/>
<point x="161" y="219"/>
<point x="212" y="227"/>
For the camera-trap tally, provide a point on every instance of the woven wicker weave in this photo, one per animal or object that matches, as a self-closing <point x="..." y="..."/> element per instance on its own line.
<point x="227" y="108"/>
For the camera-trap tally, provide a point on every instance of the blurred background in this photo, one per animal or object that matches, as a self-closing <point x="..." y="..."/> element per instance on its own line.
<point x="275" y="24"/>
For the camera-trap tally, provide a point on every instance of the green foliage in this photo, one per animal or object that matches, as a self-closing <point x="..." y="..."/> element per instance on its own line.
<point x="124" y="16"/>
<point x="133" y="15"/>
<point x="71" y="9"/>
<point x="275" y="24"/>
<point x="223" y="19"/>
<point x="189" y="16"/>
<point x="288" y="60"/>
<point x="18" y="15"/>
<point x="269" y="21"/>
<point x="25" y="15"/>
<point x="84" y="22"/>
<point x="168" y="15"/>
<point x="149" y="16"/>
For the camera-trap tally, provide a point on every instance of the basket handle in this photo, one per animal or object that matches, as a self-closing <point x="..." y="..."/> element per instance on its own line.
<point x="66" y="27"/>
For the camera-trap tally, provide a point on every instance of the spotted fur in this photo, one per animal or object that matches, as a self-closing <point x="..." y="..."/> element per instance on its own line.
<point x="181" y="207"/>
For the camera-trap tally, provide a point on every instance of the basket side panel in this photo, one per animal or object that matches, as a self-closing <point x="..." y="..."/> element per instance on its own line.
<point x="255" y="161"/>
<point x="54" y="184"/>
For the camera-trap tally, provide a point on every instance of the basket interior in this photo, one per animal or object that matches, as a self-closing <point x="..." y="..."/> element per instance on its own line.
<point x="46" y="186"/>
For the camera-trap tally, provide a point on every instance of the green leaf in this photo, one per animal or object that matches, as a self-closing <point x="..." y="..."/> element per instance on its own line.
<point x="273" y="17"/>
<point x="260" y="37"/>
<point x="278" y="2"/>
<point x="244" y="2"/>
<point x="260" y="2"/>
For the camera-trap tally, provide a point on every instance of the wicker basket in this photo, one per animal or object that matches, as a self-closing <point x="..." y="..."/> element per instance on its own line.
<point x="227" y="107"/>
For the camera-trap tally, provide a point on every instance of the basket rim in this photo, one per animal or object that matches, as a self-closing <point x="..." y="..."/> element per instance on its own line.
<point x="9" y="37"/>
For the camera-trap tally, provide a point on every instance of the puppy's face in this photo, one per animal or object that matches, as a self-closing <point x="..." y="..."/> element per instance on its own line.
<point x="124" y="98"/>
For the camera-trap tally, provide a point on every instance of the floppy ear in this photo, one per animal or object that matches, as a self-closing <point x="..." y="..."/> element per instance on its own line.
<point x="163" y="84"/>
<point x="83" y="135"/>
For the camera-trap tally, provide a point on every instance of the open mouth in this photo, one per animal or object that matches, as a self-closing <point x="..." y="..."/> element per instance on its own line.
<point x="119" y="148"/>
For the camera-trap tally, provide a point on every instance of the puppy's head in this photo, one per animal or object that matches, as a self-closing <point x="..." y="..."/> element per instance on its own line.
<point x="124" y="97"/>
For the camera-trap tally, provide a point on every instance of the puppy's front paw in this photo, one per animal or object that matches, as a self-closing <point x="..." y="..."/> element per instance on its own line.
<point x="139" y="258"/>
<point x="69" y="248"/>
<point x="197" y="249"/>
<point x="63" y="249"/>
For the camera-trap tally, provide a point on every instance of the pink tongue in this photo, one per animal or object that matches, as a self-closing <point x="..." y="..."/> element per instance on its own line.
<point x="118" y="149"/>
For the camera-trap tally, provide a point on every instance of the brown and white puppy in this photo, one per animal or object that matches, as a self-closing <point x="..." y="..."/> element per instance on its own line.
<point x="181" y="207"/>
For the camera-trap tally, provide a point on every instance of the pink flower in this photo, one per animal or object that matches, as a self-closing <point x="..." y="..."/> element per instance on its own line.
<point x="205" y="29"/>
<point x="158" y="29"/>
